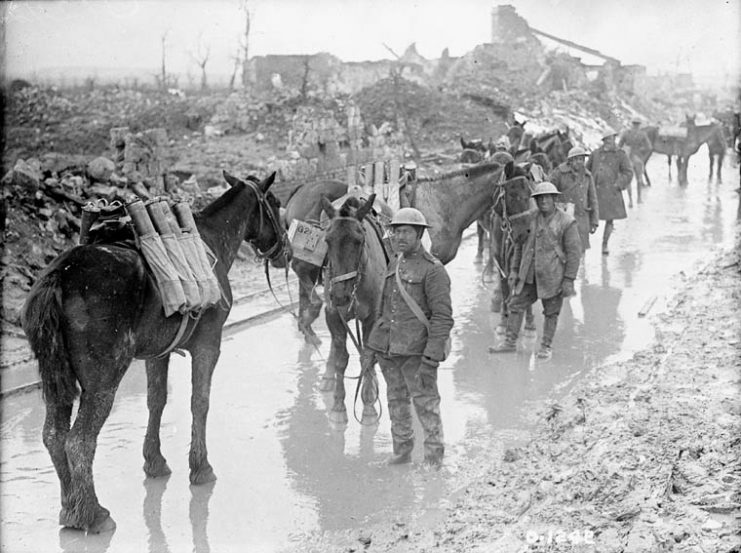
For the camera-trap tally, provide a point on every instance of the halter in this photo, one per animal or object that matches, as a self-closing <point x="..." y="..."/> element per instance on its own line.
<point x="357" y="274"/>
<point x="279" y="248"/>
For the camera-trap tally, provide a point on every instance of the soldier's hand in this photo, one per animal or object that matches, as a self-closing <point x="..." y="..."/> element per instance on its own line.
<point x="430" y="362"/>
<point x="593" y="229"/>
<point x="567" y="288"/>
<point x="368" y="358"/>
<point x="512" y="281"/>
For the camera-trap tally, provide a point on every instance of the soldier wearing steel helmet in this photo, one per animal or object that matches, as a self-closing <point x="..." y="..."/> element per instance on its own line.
<point x="612" y="173"/>
<point x="544" y="267"/>
<point x="574" y="181"/>
<point x="407" y="352"/>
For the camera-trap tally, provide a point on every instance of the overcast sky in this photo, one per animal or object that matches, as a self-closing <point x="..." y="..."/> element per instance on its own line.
<point x="702" y="36"/>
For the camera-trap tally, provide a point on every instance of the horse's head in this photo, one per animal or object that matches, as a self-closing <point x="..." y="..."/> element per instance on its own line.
<point x="265" y="233"/>
<point x="345" y="237"/>
<point x="512" y="200"/>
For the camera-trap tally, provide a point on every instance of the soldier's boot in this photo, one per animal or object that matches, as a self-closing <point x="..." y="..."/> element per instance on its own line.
<point x="549" y="331"/>
<point x="402" y="453"/>
<point x="606" y="237"/>
<point x="514" y="322"/>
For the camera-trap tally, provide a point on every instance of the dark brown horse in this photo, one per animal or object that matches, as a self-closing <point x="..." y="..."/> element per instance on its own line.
<point x="555" y="144"/>
<point x="512" y="211"/>
<point x="355" y="269"/>
<point x="96" y="308"/>
<point x="717" y="146"/>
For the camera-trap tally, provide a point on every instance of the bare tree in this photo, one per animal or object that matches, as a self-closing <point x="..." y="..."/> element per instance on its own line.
<point x="402" y="114"/>
<point x="305" y="77"/>
<point x="237" y="59"/>
<point x="163" y="70"/>
<point x="200" y="57"/>
<point x="244" y="6"/>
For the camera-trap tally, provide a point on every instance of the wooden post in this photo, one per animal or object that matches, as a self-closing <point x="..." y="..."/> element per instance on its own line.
<point x="351" y="180"/>
<point x="392" y="193"/>
<point x="378" y="178"/>
<point x="368" y="178"/>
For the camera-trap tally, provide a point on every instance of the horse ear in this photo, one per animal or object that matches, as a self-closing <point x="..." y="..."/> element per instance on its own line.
<point x="366" y="207"/>
<point x="265" y="185"/>
<point x="231" y="180"/>
<point x="328" y="207"/>
<point x="509" y="170"/>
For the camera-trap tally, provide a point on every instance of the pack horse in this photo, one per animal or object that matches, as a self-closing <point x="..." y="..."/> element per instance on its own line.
<point x="96" y="308"/>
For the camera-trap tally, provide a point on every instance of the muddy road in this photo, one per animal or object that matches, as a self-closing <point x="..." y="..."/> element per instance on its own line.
<point x="285" y="473"/>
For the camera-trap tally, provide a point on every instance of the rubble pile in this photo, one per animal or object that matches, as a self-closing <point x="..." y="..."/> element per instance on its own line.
<point x="436" y="118"/>
<point x="45" y="119"/>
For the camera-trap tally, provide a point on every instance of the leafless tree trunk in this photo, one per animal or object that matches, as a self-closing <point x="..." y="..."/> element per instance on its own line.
<point x="305" y="78"/>
<point x="163" y="74"/>
<point x="201" y="59"/>
<point x="246" y="44"/>
<point x="400" y="111"/>
<point x="236" y="59"/>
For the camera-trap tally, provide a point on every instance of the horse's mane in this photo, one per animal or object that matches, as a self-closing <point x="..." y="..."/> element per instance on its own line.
<point x="293" y="192"/>
<point x="469" y="172"/>
<point x="220" y="202"/>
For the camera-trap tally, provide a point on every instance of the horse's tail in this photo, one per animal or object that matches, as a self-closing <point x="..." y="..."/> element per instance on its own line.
<point x="42" y="321"/>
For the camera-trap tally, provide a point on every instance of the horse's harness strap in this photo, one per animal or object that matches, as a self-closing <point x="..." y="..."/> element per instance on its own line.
<point x="346" y="276"/>
<point x="181" y="337"/>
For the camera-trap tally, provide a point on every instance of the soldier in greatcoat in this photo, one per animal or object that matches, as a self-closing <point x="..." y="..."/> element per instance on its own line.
<point x="612" y="172"/>
<point x="574" y="181"/>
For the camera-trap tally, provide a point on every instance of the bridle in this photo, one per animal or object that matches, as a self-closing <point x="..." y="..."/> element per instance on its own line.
<point x="357" y="274"/>
<point x="279" y="247"/>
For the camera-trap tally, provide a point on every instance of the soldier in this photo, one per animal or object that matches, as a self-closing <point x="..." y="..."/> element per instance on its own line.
<point x="544" y="268"/>
<point x="612" y="172"/>
<point x="575" y="183"/>
<point x="409" y="337"/>
<point x="639" y="147"/>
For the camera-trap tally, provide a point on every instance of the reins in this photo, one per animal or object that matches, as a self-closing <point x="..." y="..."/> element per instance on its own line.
<point x="279" y="248"/>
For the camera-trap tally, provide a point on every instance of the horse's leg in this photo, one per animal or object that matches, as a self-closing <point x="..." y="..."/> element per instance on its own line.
<point x="154" y="463"/>
<point x="336" y="364"/>
<point x="310" y="304"/>
<point x="481" y="236"/>
<point x="203" y="364"/>
<point x="669" y="164"/>
<point x="83" y="510"/>
<point x="711" y="159"/>
<point x="369" y="392"/>
<point x="56" y="428"/>
<point x="721" y="156"/>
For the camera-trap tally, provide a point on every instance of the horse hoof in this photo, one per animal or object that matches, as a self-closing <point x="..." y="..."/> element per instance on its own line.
<point x="327" y="385"/>
<point x="102" y="523"/>
<point x="496" y="306"/>
<point x="202" y="476"/>
<point x="338" y="417"/>
<point x="157" y="469"/>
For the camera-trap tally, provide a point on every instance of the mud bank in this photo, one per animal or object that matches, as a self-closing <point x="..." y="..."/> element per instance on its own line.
<point x="644" y="455"/>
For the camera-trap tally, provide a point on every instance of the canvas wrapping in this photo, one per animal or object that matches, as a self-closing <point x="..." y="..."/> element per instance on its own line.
<point x="165" y="274"/>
